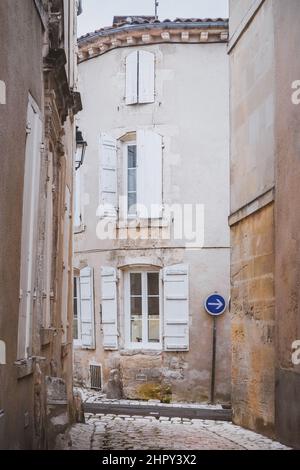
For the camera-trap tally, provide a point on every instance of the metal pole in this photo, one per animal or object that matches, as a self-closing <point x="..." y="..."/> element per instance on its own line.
<point x="213" y="362"/>
<point x="156" y="9"/>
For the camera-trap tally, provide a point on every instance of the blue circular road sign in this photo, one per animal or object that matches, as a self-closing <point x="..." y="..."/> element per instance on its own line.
<point x="215" y="304"/>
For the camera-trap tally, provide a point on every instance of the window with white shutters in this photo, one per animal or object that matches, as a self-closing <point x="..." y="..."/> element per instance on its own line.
<point x="142" y="295"/>
<point x="109" y="314"/>
<point x="176" y="308"/>
<point x="86" y="296"/>
<point x="108" y="176"/>
<point x="140" y="77"/>
<point x="29" y="227"/>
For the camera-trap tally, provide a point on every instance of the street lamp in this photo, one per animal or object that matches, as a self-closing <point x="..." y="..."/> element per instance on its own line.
<point x="81" y="146"/>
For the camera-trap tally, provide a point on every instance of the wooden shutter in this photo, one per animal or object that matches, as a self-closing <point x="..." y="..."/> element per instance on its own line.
<point x="146" y="76"/>
<point x="109" y="308"/>
<point x="176" y="308"/>
<point x="48" y="245"/>
<point x="108" y="176"/>
<point x="77" y="199"/>
<point x="29" y="227"/>
<point x="87" y="308"/>
<point x="149" y="174"/>
<point x="132" y="78"/>
<point x="66" y="263"/>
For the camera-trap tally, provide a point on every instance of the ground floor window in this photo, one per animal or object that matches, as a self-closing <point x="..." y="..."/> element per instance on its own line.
<point x="143" y="305"/>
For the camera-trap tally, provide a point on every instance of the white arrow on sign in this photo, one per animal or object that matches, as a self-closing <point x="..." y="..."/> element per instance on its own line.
<point x="217" y="304"/>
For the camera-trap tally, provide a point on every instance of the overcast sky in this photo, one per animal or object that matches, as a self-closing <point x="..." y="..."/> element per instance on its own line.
<point x="99" y="13"/>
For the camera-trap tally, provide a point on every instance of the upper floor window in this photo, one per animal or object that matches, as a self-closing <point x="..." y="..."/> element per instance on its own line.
<point x="140" y="77"/>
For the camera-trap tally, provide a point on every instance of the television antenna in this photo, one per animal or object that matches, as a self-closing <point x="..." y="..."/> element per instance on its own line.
<point x="156" y="9"/>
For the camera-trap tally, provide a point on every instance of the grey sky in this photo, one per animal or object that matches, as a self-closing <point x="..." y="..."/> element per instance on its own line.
<point x="99" y="13"/>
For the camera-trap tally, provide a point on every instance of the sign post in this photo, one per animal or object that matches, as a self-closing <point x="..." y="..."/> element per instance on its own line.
<point x="215" y="305"/>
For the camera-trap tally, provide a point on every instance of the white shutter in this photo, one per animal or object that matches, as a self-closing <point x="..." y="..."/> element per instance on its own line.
<point x="29" y="227"/>
<point x="149" y="174"/>
<point x="146" y="63"/>
<point x="77" y="199"/>
<point x="66" y="263"/>
<point x="132" y="78"/>
<point x="87" y="308"/>
<point x="176" y="308"/>
<point x="108" y="175"/>
<point x="109" y="308"/>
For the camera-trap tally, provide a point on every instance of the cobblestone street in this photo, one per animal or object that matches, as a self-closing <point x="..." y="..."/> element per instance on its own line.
<point x="109" y="432"/>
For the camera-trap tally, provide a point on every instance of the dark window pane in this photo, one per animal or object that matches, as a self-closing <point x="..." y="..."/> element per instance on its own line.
<point x="132" y="180"/>
<point x="136" y="305"/>
<point x="136" y="330"/>
<point x="153" y="305"/>
<point x="75" y="287"/>
<point x="132" y="156"/>
<point x="132" y="203"/>
<point x="75" y="328"/>
<point x="135" y="284"/>
<point x="153" y="284"/>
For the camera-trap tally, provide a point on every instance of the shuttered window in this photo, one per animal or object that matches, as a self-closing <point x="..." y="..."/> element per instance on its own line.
<point x="140" y="77"/>
<point x="29" y="228"/>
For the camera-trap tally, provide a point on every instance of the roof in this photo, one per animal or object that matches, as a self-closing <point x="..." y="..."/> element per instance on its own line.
<point x="128" y="23"/>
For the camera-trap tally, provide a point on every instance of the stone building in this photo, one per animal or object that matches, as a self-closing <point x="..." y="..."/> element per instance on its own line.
<point x="264" y="220"/>
<point x="37" y="108"/>
<point x="155" y="115"/>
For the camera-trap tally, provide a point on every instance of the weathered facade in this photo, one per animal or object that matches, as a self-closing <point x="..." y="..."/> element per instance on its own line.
<point x="155" y="99"/>
<point x="264" y="223"/>
<point x="38" y="104"/>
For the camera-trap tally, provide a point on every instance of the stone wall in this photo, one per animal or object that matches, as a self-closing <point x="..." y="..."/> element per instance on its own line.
<point x="252" y="307"/>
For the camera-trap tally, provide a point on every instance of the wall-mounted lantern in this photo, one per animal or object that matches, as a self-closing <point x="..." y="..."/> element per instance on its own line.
<point x="81" y="146"/>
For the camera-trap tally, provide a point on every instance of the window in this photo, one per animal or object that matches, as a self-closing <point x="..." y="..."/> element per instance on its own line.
<point x="131" y="179"/>
<point x="140" y="77"/>
<point x="143" y="306"/>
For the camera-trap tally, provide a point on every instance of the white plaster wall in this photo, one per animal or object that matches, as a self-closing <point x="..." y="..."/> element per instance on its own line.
<point x="191" y="112"/>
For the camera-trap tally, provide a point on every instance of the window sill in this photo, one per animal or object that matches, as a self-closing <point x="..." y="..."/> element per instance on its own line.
<point x="145" y="349"/>
<point x="134" y="222"/>
<point x="24" y="367"/>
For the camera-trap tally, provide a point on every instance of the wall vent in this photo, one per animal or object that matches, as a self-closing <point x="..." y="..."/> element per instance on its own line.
<point x="96" y="376"/>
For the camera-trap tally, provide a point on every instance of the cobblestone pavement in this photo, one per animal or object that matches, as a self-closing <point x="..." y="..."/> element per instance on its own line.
<point x="109" y="432"/>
